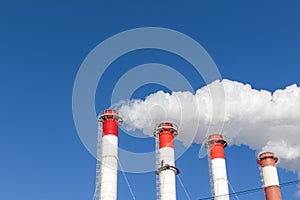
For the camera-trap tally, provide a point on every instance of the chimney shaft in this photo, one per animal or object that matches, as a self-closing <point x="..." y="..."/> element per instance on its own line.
<point x="167" y="170"/>
<point x="110" y="120"/>
<point x="267" y="162"/>
<point x="215" y="144"/>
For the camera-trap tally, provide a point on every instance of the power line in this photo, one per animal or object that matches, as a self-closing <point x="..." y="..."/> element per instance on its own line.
<point x="125" y="177"/>
<point x="290" y="183"/>
<point x="233" y="191"/>
<point x="186" y="193"/>
<point x="252" y="190"/>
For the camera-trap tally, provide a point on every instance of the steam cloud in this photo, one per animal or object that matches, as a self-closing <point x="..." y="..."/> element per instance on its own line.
<point x="262" y="120"/>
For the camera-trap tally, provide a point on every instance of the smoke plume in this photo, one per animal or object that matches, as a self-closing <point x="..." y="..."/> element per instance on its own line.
<point x="262" y="120"/>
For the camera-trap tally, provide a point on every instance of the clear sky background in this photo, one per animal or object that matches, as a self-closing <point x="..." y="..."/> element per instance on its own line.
<point x="42" y="45"/>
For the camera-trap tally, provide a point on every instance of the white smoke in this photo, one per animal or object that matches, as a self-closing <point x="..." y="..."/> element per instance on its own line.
<point x="262" y="120"/>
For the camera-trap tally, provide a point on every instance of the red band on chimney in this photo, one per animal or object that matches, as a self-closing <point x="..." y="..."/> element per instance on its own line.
<point x="166" y="139"/>
<point x="216" y="146"/>
<point x="110" y="127"/>
<point x="267" y="159"/>
<point x="273" y="193"/>
<point x="217" y="151"/>
<point x="109" y="122"/>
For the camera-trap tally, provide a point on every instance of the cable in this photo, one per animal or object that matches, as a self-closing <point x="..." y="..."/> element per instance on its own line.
<point x="183" y="187"/>
<point x="125" y="177"/>
<point x="233" y="191"/>
<point x="290" y="183"/>
<point x="252" y="190"/>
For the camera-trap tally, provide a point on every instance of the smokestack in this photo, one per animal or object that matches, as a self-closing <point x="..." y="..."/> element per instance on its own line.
<point x="166" y="171"/>
<point x="215" y="144"/>
<point x="267" y="162"/>
<point x="110" y="120"/>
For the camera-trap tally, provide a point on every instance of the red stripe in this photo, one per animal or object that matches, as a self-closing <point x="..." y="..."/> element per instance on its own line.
<point x="273" y="193"/>
<point x="267" y="159"/>
<point x="267" y="162"/>
<point x="217" y="151"/>
<point x="110" y="127"/>
<point x="166" y="139"/>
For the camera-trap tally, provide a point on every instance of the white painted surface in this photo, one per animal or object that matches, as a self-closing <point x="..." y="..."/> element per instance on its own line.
<point x="167" y="177"/>
<point x="167" y="155"/>
<point x="109" y="168"/>
<point x="219" y="179"/>
<point x="270" y="176"/>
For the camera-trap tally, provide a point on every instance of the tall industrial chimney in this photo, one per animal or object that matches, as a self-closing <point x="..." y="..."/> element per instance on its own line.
<point x="110" y="120"/>
<point x="166" y="171"/>
<point x="215" y="144"/>
<point x="267" y="162"/>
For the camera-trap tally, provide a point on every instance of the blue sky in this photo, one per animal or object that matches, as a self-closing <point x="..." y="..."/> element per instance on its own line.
<point x="43" y="44"/>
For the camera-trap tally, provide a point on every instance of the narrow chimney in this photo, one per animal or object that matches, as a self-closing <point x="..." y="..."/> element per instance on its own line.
<point x="167" y="170"/>
<point x="267" y="162"/>
<point x="110" y="120"/>
<point x="215" y="145"/>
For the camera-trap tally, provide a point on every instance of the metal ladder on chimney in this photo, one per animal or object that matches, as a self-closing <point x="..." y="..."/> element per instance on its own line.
<point x="157" y="165"/>
<point x="98" y="166"/>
